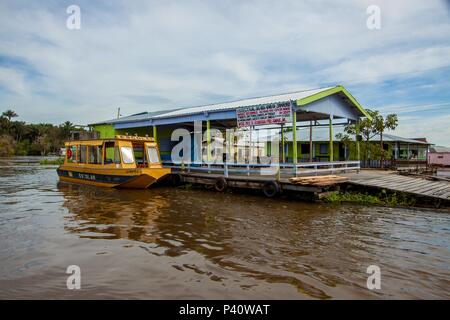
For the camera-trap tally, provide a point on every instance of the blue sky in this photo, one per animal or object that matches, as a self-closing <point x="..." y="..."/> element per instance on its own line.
<point x="159" y="55"/>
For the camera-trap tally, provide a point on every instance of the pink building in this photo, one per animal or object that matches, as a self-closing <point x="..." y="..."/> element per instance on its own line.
<point x="439" y="156"/>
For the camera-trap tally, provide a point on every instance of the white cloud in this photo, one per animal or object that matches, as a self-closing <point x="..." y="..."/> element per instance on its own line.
<point x="237" y="67"/>
<point x="185" y="53"/>
<point x="13" y="81"/>
<point x="407" y="109"/>
<point x="436" y="129"/>
<point x="378" y="67"/>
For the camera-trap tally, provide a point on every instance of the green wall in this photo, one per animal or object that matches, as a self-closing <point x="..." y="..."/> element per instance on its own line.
<point x="317" y="154"/>
<point x="164" y="134"/>
<point x="106" y="130"/>
<point x="141" y="131"/>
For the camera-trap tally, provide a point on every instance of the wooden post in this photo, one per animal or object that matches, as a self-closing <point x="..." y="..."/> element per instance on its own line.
<point x="358" y="150"/>
<point x="283" y="156"/>
<point x="382" y="151"/>
<point x="208" y="140"/>
<point x="310" y="142"/>
<point x="250" y="149"/>
<point x="294" y="135"/>
<point x="230" y="145"/>
<point x="331" y="138"/>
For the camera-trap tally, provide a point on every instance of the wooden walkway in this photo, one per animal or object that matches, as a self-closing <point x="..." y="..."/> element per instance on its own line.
<point x="411" y="185"/>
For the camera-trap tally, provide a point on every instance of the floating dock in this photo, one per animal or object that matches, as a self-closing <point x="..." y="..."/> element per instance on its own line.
<point x="312" y="180"/>
<point x="262" y="177"/>
<point x="437" y="192"/>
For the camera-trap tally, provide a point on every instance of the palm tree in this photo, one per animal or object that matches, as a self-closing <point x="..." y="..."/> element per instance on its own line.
<point x="369" y="128"/>
<point x="65" y="129"/>
<point x="381" y="124"/>
<point x="9" y="114"/>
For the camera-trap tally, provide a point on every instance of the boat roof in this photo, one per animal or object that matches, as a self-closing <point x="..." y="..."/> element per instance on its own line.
<point x="117" y="137"/>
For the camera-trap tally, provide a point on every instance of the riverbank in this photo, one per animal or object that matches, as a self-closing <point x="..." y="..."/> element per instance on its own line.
<point x="52" y="161"/>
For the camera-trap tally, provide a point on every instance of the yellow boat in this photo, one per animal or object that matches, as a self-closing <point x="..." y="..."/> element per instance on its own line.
<point x="122" y="162"/>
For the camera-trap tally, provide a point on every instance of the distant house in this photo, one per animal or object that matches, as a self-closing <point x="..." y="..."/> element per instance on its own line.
<point x="439" y="156"/>
<point x="399" y="151"/>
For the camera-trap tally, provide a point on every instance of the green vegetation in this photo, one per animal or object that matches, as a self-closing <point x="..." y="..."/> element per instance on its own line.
<point x="368" y="128"/>
<point x="58" y="161"/>
<point x="20" y="138"/>
<point x="383" y="198"/>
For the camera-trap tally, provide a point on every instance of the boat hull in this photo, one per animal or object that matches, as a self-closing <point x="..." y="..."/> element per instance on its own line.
<point x="112" y="178"/>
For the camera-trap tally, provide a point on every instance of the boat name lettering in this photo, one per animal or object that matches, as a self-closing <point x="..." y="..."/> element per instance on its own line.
<point x="87" y="176"/>
<point x="133" y="171"/>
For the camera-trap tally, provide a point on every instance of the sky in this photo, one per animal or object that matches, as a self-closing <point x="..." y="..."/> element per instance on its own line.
<point x="161" y="55"/>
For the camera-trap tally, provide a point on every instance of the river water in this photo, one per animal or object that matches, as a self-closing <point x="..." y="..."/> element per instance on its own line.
<point x="179" y="243"/>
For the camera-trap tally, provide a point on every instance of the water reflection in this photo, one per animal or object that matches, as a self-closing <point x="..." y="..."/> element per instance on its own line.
<point x="248" y="235"/>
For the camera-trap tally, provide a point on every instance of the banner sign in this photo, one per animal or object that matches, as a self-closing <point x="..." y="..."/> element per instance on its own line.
<point x="274" y="113"/>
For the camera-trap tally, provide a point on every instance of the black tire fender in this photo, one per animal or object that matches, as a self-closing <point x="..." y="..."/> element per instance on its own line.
<point x="220" y="184"/>
<point x="271" y="189"/>
<point x="175" y="179"/>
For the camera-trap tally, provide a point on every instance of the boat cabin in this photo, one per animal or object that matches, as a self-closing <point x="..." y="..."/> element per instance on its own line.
<point x="123" y="151"/>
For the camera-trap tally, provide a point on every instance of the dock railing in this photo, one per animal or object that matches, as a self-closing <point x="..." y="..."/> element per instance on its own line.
<point x="258" y="169"/>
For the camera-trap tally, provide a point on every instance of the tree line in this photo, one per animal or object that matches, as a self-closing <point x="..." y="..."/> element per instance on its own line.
<point x="20" y="138"/>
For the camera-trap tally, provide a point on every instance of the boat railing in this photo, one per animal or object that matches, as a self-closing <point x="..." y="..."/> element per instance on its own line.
<point x="259" y="169"/>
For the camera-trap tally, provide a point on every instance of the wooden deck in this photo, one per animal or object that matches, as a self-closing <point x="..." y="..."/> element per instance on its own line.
<point x="412" y="185"/>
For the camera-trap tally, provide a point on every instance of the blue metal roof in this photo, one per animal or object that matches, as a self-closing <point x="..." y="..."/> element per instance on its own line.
<point x="219" y="111"/>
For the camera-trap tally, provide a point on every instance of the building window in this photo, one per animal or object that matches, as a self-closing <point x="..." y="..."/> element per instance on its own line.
<point x="422" y="153"/>
<point x="304" y="149"/>
<point x="323" y="148"/>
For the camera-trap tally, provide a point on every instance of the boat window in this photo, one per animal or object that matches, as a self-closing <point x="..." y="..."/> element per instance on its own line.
<point x="127" y="155"/>
<point x="152" y="155"/>
<point x="71" y="153"/>
<point x="111" y="153"/>
<point x="138" y="151"/>
<point x="95" y="154"/>
<point x="116" y="155"/>
<point x="82" y="153"/>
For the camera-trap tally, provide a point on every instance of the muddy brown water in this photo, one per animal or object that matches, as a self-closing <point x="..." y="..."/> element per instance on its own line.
<point x="167" y="243"/>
